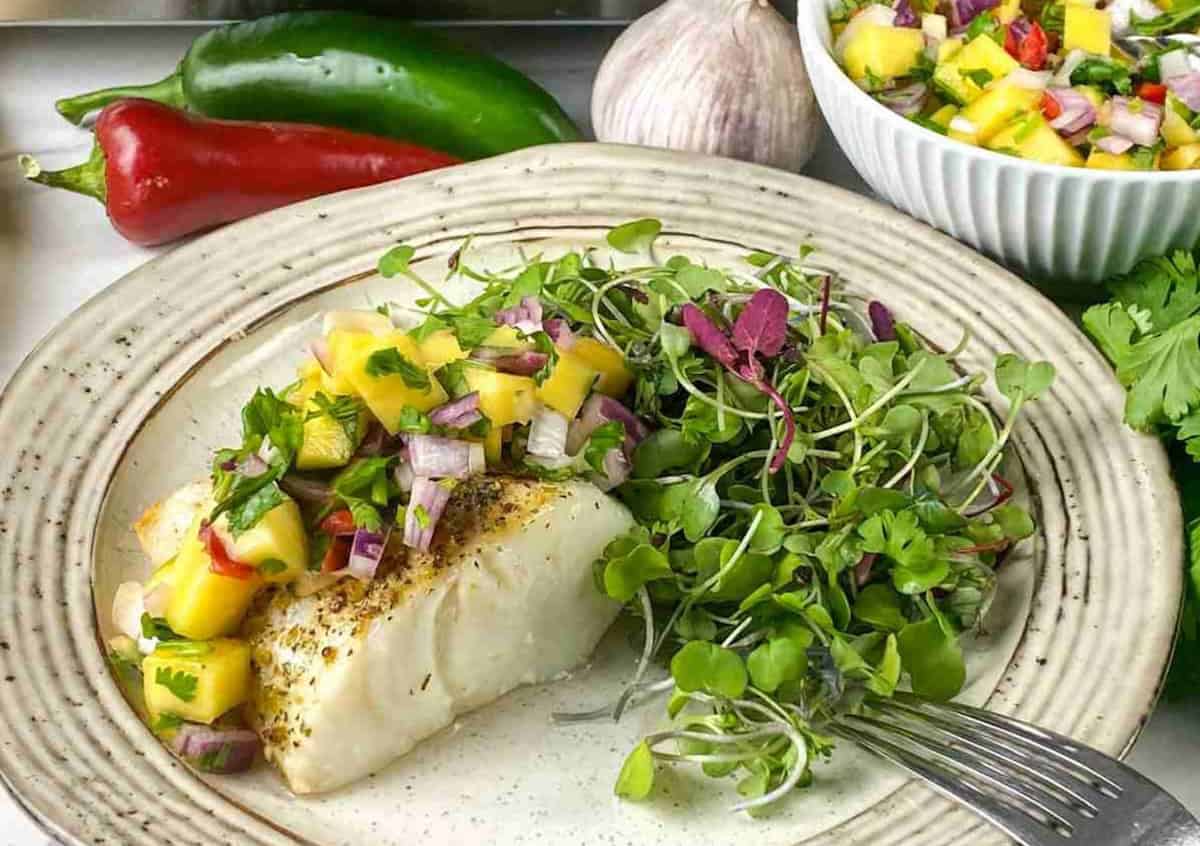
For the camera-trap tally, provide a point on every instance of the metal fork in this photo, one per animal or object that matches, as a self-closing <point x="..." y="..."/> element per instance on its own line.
<point x="1040" y="788"/>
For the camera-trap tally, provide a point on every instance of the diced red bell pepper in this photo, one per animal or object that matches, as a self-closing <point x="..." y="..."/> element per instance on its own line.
<point x="338" y="523"/>
<point x="1153" y="92"/>
<point x="222" y="563"/>
<point x="1012" y="45"/>
<point x="1032" y="51"/>
<point x="1050" y="107"/>
<point x="337" y="556"/>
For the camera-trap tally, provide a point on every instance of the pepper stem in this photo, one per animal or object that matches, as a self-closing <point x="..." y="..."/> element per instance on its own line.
<point x="86" y="178"/>
<point x="169" y="91"/>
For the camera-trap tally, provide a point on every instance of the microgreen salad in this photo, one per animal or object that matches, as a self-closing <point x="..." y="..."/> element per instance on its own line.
<point x="817" y="490"/>
<point x="1066" y="83"/>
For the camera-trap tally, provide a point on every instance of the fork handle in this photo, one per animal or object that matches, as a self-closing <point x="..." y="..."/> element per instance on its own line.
<point x="1162" y="821"/>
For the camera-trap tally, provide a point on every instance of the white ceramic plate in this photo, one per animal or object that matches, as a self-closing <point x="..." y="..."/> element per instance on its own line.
<point x="126" y="400"/>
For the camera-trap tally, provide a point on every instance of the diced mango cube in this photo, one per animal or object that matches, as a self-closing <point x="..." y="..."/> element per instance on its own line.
<point x="1186" y="157"/>
<point x="507" y="337"/>
<point x="1033" y="138"/>
<point x="997" y="107"/>
<point x="493" y="443"/>
<point x="197" y="681"/>
<point x="944" y="115"/>
<point x="326" y="443"/>
<point x="884" y="51"/>
<point x="503" y="397"/>
<point x="568" y="386"/>
<point x="609" y="362"/>
<point x="1087" y="29"/>
<point x="1176" y="131"/>
<point x="205" y="604"/>
<point x="1008" y="11"/>
<point x="985" y="54"/>
<point x="441" y="348"/>
<point x="948" y="49"/>
<point x="276" y="545"/>
<point x="1100" y="160"/>
<point x="341" y="343"/>
<point x="385" y="395"/>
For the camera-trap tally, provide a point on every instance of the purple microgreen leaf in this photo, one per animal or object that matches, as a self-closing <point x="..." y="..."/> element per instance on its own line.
<point x="762" y="325"/>
<point x="882" y="322"/>
<point x="708" y="337"/>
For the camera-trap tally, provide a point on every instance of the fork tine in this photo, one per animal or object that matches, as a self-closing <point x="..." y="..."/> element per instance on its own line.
<point x="978" y="745"/>
<point x="1084" y="763"/>
<point x="1020" y="825"/>
<point x="1058" y="813"/>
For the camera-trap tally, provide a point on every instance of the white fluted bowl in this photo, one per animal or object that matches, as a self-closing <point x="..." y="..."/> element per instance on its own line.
<point x="1052" y="224"/>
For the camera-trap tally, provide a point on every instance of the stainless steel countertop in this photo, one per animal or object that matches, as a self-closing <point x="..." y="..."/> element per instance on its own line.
<point x="57" y="250"/>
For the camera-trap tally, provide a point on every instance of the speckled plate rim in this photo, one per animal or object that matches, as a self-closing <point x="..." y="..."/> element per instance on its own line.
<point x="79" y="761"/>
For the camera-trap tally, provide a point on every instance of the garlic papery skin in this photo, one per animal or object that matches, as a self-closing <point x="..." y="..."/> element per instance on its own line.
<point x="724" y="77"/>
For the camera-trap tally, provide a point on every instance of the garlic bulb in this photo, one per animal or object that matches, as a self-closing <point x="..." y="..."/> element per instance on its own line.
<point x="724" y="77"/>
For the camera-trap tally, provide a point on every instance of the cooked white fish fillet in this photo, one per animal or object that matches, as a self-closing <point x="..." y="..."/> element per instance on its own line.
<point x="161" y="527"/>
<point x="352" y="677"/>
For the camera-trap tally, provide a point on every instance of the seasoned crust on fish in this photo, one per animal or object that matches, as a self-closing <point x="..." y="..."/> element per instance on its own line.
<point x="352" y="677"/>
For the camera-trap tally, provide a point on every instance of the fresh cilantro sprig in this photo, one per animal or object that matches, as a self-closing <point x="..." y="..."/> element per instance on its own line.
<point x="182" y="684"/>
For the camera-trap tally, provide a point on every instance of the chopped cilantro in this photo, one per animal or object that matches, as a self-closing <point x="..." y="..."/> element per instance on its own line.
<point x="245" y="516"/>
<point x="390" y="362"/>
<point x="414" y="422"/>
<point x="181" y="684"/>
<point x="344" y="410"/>
<point x="606" y="437"/>
<point x="421" y="516"/>
<point x="166" y="722"/>
<point x="272" y="567"/>
<point x="156" y="628"/>
<point x="980" y="76"/>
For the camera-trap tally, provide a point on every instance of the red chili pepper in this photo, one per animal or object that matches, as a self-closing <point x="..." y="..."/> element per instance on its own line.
<point x="337" y="556"/>
<point x="1154" y="92"/>
<point x="163" y="173"/>
<point x="338" y="523"/>
<point x="1032" y="52"/>
<point x="222" y="564"/>
<point x="1050" y="107"/>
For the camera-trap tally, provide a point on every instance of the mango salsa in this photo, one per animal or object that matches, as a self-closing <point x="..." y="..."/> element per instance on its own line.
<point x="884" y="51"/>
<point x="1100" y="160"/>
<point x="386" y="395"/>
<point x="441" y="348"/>
<point x="609" y="362"/>
<point x="1087" y="29"/>
<point x="569" y="384"/>
<point x="1033" y="138"/>
<point x="997" y="107"/>
<point x="205" y="604"/>
<point x="503" y="397"/>
<point x="1183" y="158"/>
<point x="276" y="545"/>
<point x="198" y="681"/>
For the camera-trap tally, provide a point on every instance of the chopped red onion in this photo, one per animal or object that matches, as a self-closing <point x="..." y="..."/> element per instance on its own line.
<point x="1187" y="88"/>
<point x="883" y="325"/>
<point x="459" y="413"/>
<point x="507" y="360"/>
<point x="1114" y="144"/>
<point x="252" y="466"/>
<point x="1077" y="111"/>
<point x="156" y="599"/>
<point x="616" y="470"/>
<point x="439" y="458"/>
<point x="1139" y="123"/>
<point x="1123" y="12"/>
<point x="366" y="551"/>
<point x="432" y="497"/>
<point x="906" y="101"/>
<point x="1173" y="63"/>
<point x="304" y="489"/>
<point x="320" y="351"/>
<point x="548" y="434"/>
<point x="526" y="317"/>
<point x="129" y="603"/>
<point x="374" y="443"/>
<point x="560" y="332"/>
<point x="962" y="12"/>
<point x="213" y="750"/>
<point x="598" y="410"/>
<point x="1020" y="28"/>
<point x="477" y="464"/>
<point x="404" y="476"/>
<point x="934" y="27"/>
<point x="905" y="16"/>
<point x="958" y="123"/>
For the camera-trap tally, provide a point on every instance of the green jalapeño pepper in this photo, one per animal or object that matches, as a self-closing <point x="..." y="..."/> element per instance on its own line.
<point x="365" y="74"/>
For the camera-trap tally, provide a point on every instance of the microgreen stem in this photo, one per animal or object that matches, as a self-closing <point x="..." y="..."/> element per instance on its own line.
<point x="916" y="455"/>
<point x="687" y="385"/>
<point x="984" y="464"/>
<point x="874" y="407"/>
<point x="647" y="651"/>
